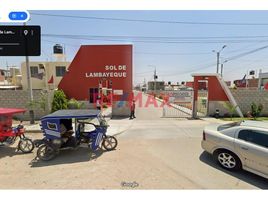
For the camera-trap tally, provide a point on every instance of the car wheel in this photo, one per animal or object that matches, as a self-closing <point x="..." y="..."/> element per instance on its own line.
<point x="228" y="160"/>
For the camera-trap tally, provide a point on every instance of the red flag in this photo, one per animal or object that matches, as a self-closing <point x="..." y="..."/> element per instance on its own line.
<point x="266" y="86"/>
<point x="51" y="80"/>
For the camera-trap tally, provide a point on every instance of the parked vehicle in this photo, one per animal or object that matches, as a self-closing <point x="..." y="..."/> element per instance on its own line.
<point x="90" y="128"/>
<point x="9" y="134"/>
<point x="239" y="145"/>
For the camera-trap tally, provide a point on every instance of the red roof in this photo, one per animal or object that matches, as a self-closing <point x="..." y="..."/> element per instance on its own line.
<point x="10" y="111"/>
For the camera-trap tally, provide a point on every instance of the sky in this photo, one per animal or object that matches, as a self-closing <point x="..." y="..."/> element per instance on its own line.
<point x="174" y="62"/>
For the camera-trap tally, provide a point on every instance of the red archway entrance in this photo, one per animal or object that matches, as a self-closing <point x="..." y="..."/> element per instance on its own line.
<point x="217" y="91"/>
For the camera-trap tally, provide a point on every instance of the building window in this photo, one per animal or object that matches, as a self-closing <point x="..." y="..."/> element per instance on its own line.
<point x="60" y="71"/>
<point x="34" y="71"/>
<point x="93" y="94"/>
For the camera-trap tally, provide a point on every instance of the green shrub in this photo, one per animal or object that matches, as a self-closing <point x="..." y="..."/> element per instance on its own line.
<point x="59" y="101"/>
<point x="231" y="109"/>
<point x="104" y="106"/>
<point x="82" y="105"/>
<point x="74" y="104"/>
<point x="256" y="110"/>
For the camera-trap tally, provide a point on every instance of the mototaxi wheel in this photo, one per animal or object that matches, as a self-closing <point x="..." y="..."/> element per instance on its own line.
<point x="46" y="152"/>
<point x="26" y="145"/>
<point x="109" y="143"/>
<point x="10" y="140"/>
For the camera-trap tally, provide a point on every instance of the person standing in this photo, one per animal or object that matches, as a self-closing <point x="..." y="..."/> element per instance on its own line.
<point x="132" y="110"/>
<point x="98" y="103"/>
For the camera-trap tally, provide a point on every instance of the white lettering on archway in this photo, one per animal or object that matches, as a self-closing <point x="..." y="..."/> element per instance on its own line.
<point x="118" y="71"/>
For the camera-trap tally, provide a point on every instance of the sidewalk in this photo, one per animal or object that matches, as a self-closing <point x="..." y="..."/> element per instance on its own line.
<point x="214" y="120"/>
<point x="116" y="126"/>
<point x="30" y="128"/>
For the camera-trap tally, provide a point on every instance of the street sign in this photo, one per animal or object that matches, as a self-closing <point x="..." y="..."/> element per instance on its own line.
<point x="180" y="96"/>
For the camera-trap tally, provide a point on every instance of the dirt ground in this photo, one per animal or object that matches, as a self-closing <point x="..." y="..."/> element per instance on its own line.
<point x="135" y="164"/>
<point x="131" y="165"/>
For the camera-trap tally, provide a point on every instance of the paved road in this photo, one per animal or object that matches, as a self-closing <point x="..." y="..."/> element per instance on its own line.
<point x="154" y="153"/>
<point x="175" y="143"/>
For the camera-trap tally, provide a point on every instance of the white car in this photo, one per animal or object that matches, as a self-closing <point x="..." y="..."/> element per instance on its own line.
<point x="239" y="145"/>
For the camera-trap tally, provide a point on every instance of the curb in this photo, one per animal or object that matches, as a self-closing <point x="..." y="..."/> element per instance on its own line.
<point x="33" y="131"/>
<point x="215" y="120"/>
<point x="40" y="131"/>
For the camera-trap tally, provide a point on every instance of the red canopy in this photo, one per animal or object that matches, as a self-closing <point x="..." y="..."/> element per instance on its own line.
<point x="11" y="111"/>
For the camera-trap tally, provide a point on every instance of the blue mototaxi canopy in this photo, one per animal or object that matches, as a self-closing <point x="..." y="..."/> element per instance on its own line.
<point x="77" y="114"/>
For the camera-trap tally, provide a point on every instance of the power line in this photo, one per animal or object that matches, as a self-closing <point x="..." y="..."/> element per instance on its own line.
<point x="248" y="63"/>
<point x="241" y="48"/>
<point x="229" y="59"/>
<point x="141" y="52"/>
<point x="192" y="70"/>
<point x="157" y="37"/>
<point x="246" y="53"/>
<point x="162" y="37"/>
<point x="64" y="43"/>
<point x="173" y="54"/>
<point x="106" y="38"/>
<point x="141" y="73"/>
<point x="153" y="53"/>
<point x="150" y="21"/>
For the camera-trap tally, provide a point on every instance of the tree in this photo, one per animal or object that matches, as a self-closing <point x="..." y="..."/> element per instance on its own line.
<point x="59" y="101"/>
<point x="231" y="109"/>
<point x="256" y="110"/>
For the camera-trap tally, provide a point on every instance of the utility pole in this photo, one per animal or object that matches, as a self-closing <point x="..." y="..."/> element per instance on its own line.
<point x="155" y="80"/>
<point x="218" y="58"/>
<point x="7" y="74"/>
<point x="7" y="66"/>
<point x="259" y="82"/>
<point x="29" y="81"/>
<point x="155" y="77"/>
<point x="218" y="61"/>
<point x="221" y="69"/>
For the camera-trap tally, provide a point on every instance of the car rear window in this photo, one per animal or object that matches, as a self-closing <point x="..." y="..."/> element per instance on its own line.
<point x="254" y="136"/>
<point x="229" y="125"/>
